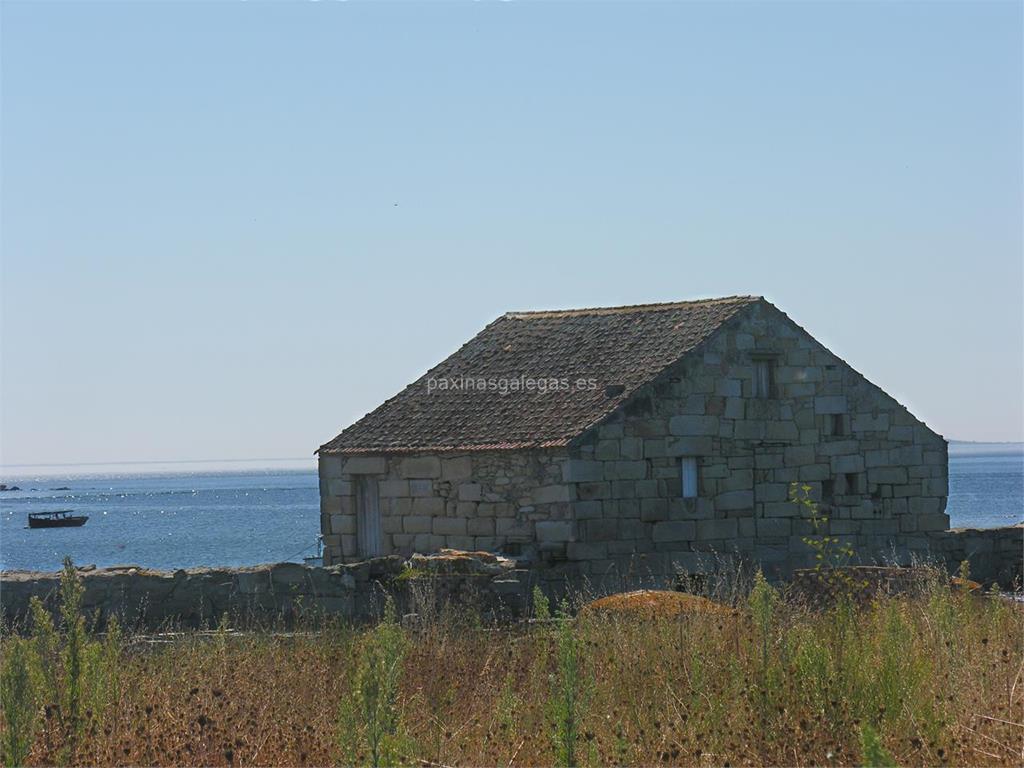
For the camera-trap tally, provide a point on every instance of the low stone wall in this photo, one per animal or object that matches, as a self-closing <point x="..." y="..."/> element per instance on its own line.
<point x="286" y="593"/>
<point x="281" y="594"/>
<point x="862" y="583"/>
<point x="995" y="555"/>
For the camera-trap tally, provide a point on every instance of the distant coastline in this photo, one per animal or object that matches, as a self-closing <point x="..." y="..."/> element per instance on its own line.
<point x="8" y="472"/>
<point x="984" y="442"/>
<point x="968" y="448"/>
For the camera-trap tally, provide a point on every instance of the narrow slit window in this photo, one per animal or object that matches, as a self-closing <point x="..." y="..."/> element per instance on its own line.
<point x="838" y="427"/>
<point x="764" y="376"/>
<point x="688" y="469"/>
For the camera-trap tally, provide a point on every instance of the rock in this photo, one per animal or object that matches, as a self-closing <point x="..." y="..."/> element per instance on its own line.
<point x="554" y="530"/>
<point x="365" y="465"/>
<point x="486" y="557"/>
<point x="650" y="604"/>
<point x="454" y="562"/>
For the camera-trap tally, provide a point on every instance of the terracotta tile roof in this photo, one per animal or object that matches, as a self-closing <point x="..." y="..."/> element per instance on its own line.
<point x="619" y="349"/>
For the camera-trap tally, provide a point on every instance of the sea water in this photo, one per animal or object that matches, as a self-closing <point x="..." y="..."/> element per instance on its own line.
<point x="243" y="517"/>
<point x="164" y="520"/>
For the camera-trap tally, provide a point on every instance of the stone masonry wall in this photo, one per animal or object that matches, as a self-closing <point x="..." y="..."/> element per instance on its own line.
<point x="995" y="555"/>
<point x="286" y="594"/>
<point x="879" y="474"/>
<point x="489" y="501"/>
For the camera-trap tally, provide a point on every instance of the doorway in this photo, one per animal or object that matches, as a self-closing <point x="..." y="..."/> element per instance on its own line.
<point x="369" y="534"/>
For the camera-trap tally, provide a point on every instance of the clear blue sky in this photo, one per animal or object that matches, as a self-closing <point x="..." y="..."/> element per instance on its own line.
<point x="229" y="230"/>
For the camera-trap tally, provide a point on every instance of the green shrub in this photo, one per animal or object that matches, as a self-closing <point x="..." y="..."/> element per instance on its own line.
<point x="20" y="691"/>
<point x="570" y="691"/>
<point x="541" y="606"/>
<point x="408" y="573"/>
<point x="370" y="724"/>
<point x="830" y="556"/>
<point x="874" y="755"/>
<point x="73" y="655"/>
<point x="764" y="603"/>
<point x="813" y="668"/>
<point x="79" y="674"/>
<point x="46" y="644"/>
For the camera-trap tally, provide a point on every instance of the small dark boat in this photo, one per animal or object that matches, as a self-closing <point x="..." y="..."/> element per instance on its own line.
<point x="63" y="518"/>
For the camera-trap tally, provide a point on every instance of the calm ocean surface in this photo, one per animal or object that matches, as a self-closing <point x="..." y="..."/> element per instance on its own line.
<point x="236" y="517"/>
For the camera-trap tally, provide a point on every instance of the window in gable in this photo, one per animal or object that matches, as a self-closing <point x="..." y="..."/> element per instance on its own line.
<point x="689" y="477"/>
<point x="764" y="376"/>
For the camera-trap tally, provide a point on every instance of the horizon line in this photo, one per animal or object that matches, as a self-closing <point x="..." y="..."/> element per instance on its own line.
<point x="143" y="462"/>
<point x="153" y="461"/>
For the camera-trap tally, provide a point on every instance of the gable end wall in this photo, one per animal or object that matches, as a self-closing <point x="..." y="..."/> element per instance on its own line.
<point x="888" y="470"/>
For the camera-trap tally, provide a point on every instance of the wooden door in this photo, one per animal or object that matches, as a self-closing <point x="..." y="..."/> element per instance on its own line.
<point x="369" y="533"/>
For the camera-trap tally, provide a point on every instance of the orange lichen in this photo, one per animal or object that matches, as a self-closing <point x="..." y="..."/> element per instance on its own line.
<point x="653" y="603"/>
<point x="965" y="585"/>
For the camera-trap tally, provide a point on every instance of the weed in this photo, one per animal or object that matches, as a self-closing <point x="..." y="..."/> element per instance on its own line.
<point x="408" y="573"/>
<point x="830" y="555"/>
<point x="569" y="691"/>
<point x="874" y="754"/>
<point x="776" y="684"/>
<point x="541" y="605"/>
<point x="370" y="723"/>
<point x="20" y="698"/>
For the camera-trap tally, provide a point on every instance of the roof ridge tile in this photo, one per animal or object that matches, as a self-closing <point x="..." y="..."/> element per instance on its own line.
<point x="629" y="308"/>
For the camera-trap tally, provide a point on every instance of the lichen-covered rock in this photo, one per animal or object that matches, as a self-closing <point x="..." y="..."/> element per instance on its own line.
<point x="450" y="561"/>
<point x="656" y="604"/>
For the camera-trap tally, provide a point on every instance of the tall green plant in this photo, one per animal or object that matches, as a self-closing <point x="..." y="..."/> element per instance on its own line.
<point x="20" y="693"/>
<point x="46" y="644"/>
<point x="570" y="690"/>
<point x="370" y="724"/>
<point x="102" y="665"/>
<point x="899" y="670"/>
<point x="874" y="755"/>
<point x="830" y="555"/>
<point x="764" y="602"/>
<point x="77" y="673"/>
<point x="812" y="667"/>
<point x="541" y="605"/>
<point x="74" y="653"/>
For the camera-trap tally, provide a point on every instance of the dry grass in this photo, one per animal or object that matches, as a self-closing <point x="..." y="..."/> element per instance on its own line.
<point x="938" y="677"/>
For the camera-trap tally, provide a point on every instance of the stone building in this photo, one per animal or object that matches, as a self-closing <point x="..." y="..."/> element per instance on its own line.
<point x="650" y="438"/>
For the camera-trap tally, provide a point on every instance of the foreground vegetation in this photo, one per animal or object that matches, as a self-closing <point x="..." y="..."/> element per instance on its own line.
<point x="932" y="680"/>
